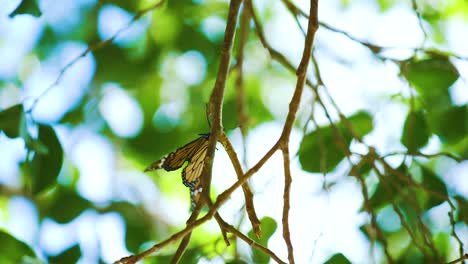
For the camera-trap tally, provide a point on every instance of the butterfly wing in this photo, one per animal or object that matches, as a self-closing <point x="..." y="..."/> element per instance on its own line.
<point x="191" y="175"/>
<point x="193" y="152"/>
<point x="176" y="159"/>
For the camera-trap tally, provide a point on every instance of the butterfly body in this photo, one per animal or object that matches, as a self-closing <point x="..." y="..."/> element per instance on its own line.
<point x="194" y="154"/>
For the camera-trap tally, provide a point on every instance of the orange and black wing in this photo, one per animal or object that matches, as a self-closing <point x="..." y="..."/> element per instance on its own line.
<point x="194" y="153"/>
<point x="191" y="175"/>
<point x="176" y="159"/>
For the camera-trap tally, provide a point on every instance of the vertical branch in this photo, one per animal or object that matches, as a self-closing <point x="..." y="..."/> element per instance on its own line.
<point x="240" y="89"/>
<point x="215" y="108"/>
<point x="420" y="20"/>
<point x="293" y="107"/>
<point x="286" y="203"/>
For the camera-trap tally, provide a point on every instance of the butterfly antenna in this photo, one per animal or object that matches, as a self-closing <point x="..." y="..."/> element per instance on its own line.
<point x="208" y="115"/>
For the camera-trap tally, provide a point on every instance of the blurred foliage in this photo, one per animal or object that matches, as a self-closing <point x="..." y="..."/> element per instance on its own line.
<point x="27" y="7"/>
<point x="146" y="70"/>
<point x="322" y="150"/>
<point x="13" y="250"/>
<point x="45" y="167"/>
<point x="338" y="259"/>
<point x="415" y="131"/>
<point x="70" y="255"/>
<point x="268" y="226"/>
<point x="10" y="120"/>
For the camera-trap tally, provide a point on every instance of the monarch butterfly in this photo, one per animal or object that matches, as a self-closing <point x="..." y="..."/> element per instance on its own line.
<point x="194" y="153"/>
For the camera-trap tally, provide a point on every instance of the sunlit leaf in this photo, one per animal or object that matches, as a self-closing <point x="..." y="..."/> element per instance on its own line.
<point x="28" y="7"/>
<point x="13" y="250"/>
<point x="70" y="255"/>
<point x="45" y="167"/>
<point x="415" y="131"/>
<point x="268" y="226"/>
<point x="432" y="78"/>
<point x="433" y="183"/>
<point x="324" y="146"/>
<point x="361" y="122"/>
<point x="398" y="242"/>
<point x="10" y="120"/>
<point x="337" y="259"/>
<point x="442" y="244"/>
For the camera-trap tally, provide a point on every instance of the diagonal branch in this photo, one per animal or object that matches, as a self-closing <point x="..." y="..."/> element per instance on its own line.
<point x="250" y="242"/>
<point x="245" y="187"/>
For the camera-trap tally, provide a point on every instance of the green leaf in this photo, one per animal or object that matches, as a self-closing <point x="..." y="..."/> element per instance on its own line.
<point x="10" y="120"/>
<point x="442" y="244"/>
<point x="338" y="259"/>
<point x="412" y="256"/>
<point x="70" y="255"/>
<point x="320" y="151"/>
<point x="451" y="125"/>
<point x="236" y="261"/>
<point x="389" y="190"/>
<point x="432" y="78"/>
<point x="29" y="7"/>
<point x="432" y="182"/>
<point x="323" y="144"/>
<point x="45" y="167"/>
<point x="63" y="205"/>
<point x="268" y="226"/>
<point x="361" y="122"/>
<point x="415" y="131"/>
<point x="13" y="250"/>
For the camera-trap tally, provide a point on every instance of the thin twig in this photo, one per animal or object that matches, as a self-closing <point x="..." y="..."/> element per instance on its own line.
<point x="241" y="101"/>
<point x="397" y="210"/>
<point x="91" y="48"/>
<point x="185" y="241"/>
<point x="374" y="48"/>
<point x="429" y="156"/>
<point x="420" y="21"/>
<point x="461" y="259"/>
<point x="293" y="107"/>
<point x="287" y="204"/>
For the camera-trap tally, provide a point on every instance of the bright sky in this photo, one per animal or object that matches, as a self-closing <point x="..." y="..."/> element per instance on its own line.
<point x="325" y="221"/>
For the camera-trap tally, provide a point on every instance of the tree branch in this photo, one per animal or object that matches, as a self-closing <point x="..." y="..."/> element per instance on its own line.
<point x="215" y="108"/>
<point x="249" y="205"/>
